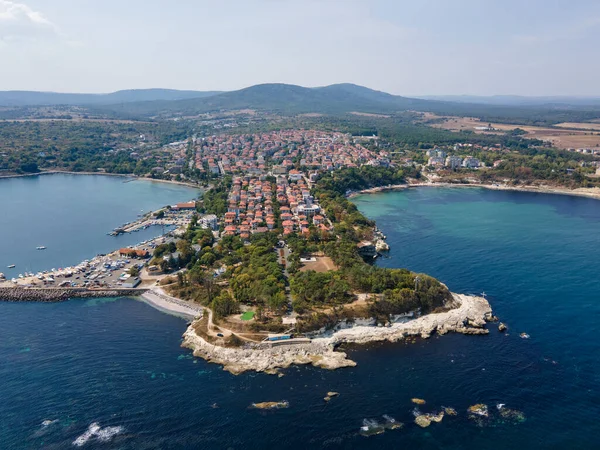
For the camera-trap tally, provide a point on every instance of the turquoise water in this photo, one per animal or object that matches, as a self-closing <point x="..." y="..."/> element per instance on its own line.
<point x="119" y="362"/>
<point x="71" y="216"/>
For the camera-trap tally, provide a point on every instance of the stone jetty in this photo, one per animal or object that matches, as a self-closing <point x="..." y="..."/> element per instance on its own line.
<point x="19" y="294"/>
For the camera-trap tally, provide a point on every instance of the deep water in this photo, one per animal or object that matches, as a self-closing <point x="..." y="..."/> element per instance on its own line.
<point x="119" y="363"/>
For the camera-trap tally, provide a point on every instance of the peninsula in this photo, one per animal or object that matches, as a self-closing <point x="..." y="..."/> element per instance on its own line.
<point x="274" y="264"/>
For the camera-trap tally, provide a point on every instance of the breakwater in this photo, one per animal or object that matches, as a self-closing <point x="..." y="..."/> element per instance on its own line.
<point x="17" y="294"/>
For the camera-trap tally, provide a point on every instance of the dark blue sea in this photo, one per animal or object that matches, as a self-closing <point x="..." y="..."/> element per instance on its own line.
<point x="118" y="362"/>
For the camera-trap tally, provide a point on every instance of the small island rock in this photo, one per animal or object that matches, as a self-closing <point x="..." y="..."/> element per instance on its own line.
<point x="330" y="395"/>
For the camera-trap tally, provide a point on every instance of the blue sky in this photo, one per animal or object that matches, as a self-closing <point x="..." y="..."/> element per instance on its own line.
<point x="417" y="47"/>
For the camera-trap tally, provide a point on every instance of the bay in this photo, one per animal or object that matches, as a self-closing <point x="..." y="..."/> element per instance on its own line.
<point x="71" y="216"/>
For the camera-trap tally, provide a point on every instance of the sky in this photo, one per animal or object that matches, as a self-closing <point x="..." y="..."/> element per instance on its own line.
<point x="405" y="47"/>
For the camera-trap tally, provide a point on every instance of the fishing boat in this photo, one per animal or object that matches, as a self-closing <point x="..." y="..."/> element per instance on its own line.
<point x="12" y="266"/>
<point x="41" y="247"/>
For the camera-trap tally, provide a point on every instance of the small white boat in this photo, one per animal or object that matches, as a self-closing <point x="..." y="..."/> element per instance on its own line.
<point x="12" y="266"/>
<point x="41" y="247"/>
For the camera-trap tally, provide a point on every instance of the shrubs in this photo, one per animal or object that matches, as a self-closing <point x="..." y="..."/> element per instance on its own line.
<point x="224" y="305"/>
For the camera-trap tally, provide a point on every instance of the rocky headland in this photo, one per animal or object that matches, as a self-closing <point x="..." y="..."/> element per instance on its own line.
<point x="467" y="315"/>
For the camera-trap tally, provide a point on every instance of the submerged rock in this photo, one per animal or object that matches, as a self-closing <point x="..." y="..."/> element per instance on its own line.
<point x="271" y="405"/>
<point x="509" y="414"/>
<point x="391" y="423"/>
<point x="449" y="411"/>
<point x="371" y="428"/>
<point x="418" y="401"/>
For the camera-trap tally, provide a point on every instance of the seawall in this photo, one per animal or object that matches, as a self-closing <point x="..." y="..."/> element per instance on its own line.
<point x="17" y="294"/>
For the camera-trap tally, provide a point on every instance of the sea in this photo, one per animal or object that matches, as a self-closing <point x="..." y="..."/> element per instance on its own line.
<point x="110" y="373"/>
<point x="71" y="215"/>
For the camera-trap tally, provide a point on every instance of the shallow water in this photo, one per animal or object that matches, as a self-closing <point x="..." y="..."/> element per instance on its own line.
<point x="119" y="363"/>
<point x="71" y="215"/>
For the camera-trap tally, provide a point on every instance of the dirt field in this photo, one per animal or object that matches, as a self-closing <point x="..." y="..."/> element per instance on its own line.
<point x="356" y="113"/>
<point x="560" y="138"/>
<point x="322" y="264"/>
<point x="579" y="125"/>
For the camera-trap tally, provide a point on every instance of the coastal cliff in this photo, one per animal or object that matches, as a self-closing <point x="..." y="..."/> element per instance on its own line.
<point x="467" y="316"/>
<point x="18" y="294"/>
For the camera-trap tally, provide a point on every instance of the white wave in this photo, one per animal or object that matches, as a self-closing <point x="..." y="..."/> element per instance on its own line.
<point x="85" y="437"/>
<point x="97" y="432"/>
<point x="106" y="434"/>
<point x="48" y="422"/>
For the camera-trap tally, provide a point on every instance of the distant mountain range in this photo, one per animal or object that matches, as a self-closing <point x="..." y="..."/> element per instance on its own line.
<point x="33" y="98"/>
<point x="517" y="100"/>
<point x="284" y="99"/>
<point x="290" y="99"/>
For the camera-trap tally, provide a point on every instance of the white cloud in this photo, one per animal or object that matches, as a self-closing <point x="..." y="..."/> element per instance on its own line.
<point x="19" y="22"/>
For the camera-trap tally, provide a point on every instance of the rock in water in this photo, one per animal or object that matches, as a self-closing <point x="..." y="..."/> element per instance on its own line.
<point x="391" y="423"/>
<point x="418" y="401"/>
<point x="423" y="421"/>
<point x="478" y="410"/>
<point x="330" y="395"/>
<point x="502" y="327"/>
<point x="449" y="411"/>
<point x="511" y="415"/>
<point x="271" y="405"/>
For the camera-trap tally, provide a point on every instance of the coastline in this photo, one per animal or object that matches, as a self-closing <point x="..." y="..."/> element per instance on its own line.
<point x="593" y="193"/>
<point x="468" y="316"/>
<point x="157" y="298"/>
<point x="123" y="175"/>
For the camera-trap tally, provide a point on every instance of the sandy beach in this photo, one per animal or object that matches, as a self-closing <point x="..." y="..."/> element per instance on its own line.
<point x="542" y="189"/>
<point x="158" y="299"/>
<point x="135" y="177"/>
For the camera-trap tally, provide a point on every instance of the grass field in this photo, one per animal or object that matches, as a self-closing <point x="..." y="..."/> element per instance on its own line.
<point x="248" y="315"/>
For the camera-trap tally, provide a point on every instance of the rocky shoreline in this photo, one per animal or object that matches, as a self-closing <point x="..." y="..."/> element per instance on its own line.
<point x="17" y="294"/>
<point x="467" y="316"/>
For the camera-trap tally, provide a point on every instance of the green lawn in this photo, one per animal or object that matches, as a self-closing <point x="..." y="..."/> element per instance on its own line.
<point x="248" y="315"/>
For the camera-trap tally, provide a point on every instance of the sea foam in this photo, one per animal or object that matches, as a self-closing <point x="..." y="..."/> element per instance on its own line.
<point x="97" y="432"/>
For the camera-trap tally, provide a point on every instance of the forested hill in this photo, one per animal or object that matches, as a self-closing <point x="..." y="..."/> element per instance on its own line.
<point x="287" y="99"/>
<point x="283" y="99"/>
<point x="33" y="98"/>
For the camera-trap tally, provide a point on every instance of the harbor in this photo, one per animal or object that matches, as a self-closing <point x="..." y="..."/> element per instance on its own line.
<point x="167" y="217"/>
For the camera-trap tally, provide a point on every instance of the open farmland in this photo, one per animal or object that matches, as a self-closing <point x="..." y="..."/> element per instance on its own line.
<point x="580" y="125"/>
<point x="559" y="136"/>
